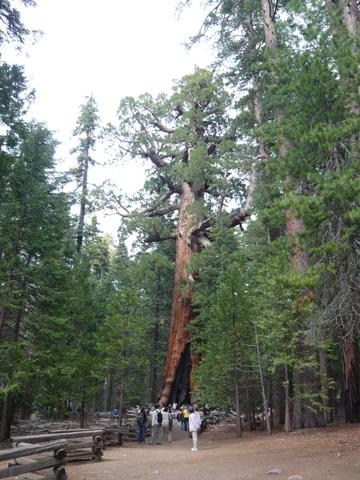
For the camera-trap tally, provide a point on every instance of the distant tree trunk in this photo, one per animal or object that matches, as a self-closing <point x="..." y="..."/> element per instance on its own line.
<point x="7" y="412"/>
<point x="109" y="393"/>
<point x="248" y="405"/>
<point x="121" y="387"/>
<point x="323" y="382"/>
<point x="6" y="418"/>
<point x="2" y="320"/>
<point x="83" y="200"/>
<point x="152" y="362"/>
<point x="11" y="273"/>
<point x="263" y="148"/>
<point x="306" y="381"/>
<point x="239" y="432"/>
<point x="82" y="412"/>
<point x="306" y="385"/>
<point x="287" y="422"/>
<point x="265" y="401"/>
<point x="351" y="381"/>
<point x="178" y="360"/>
<point x="154" y="351"/>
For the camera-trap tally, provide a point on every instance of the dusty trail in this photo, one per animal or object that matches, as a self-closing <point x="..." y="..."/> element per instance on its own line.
<point x="317" y="454"/>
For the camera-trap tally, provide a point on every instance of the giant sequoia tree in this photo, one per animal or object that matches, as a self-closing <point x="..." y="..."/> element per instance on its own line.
<point x="187" y="141"/>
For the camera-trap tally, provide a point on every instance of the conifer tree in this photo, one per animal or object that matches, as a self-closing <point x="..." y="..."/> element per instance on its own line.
<point x="86" y="130"/>
<point x="183" y="137"/>
<point x="33" y="222"/>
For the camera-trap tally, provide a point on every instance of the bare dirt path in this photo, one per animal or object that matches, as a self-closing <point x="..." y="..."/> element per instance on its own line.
<point x="316" y="454"/>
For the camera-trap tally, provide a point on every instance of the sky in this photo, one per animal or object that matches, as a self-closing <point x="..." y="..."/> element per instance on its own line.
<point x="109" y="49"/>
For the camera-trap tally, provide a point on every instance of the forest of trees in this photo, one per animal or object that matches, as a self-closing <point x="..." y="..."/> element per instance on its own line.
<point x="243" y="287"/>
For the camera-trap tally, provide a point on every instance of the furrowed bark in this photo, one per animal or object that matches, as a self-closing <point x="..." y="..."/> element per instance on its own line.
<point x="351" y="380"/>
<point x="181" y="310"/>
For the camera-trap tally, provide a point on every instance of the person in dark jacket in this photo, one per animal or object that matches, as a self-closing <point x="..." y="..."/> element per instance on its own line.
<point x="141" y="421"/>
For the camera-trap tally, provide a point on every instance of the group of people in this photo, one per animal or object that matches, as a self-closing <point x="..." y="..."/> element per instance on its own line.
<point x="161" y="423"/>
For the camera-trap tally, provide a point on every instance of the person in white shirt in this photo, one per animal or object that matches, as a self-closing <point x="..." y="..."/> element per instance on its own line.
<point x="194" y="427"/>
<point x="167" y="423"/>
<point x="156" y="426"/>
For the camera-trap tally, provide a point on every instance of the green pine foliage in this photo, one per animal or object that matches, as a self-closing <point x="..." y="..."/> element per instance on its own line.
<point x="84" y="324"/>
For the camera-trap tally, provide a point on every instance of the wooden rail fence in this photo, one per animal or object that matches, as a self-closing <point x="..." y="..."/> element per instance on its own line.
<point x="22" y="466"/>
<point x="47" y="453"/>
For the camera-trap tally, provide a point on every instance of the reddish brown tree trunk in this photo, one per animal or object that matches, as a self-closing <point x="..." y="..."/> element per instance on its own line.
<point x="351" y="381"/>
<point x="178" y="361"/>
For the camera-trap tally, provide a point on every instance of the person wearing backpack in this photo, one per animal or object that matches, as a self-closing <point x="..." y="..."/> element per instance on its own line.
<point x="156" y="426"/>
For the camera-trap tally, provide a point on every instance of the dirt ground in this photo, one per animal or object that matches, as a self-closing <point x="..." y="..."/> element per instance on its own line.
<point x="314" y="454"/>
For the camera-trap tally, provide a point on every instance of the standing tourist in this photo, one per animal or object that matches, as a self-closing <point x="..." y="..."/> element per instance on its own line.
<point x="186" y="413"/>
<point x="180" y="417"/>
<point x="194" y="427"/>
<point x="167" y="423"/>
<point x="141" y="421"/>
<point x="156" y="426"/>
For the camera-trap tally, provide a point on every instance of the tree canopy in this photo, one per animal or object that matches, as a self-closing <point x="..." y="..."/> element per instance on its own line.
<point x="242" y="290"/>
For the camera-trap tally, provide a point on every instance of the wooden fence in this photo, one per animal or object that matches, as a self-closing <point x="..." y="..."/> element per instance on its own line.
<point x="46" y="453"/>
<point x="22" y="466"/>
<point x="81" y="444"/>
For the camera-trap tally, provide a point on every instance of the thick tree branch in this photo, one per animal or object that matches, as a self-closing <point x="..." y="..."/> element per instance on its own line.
<point x="156" y="159"/>
<point x="159" y="124"/>
<point x="170" y="184"/>
<point x="236" y="218"/>
<point x="164" y="128"/>
<point x="276" y="6"/>
<point x="117" y="206"/>
<point x="163" y="211"/>
<point x="206" y="23"/>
